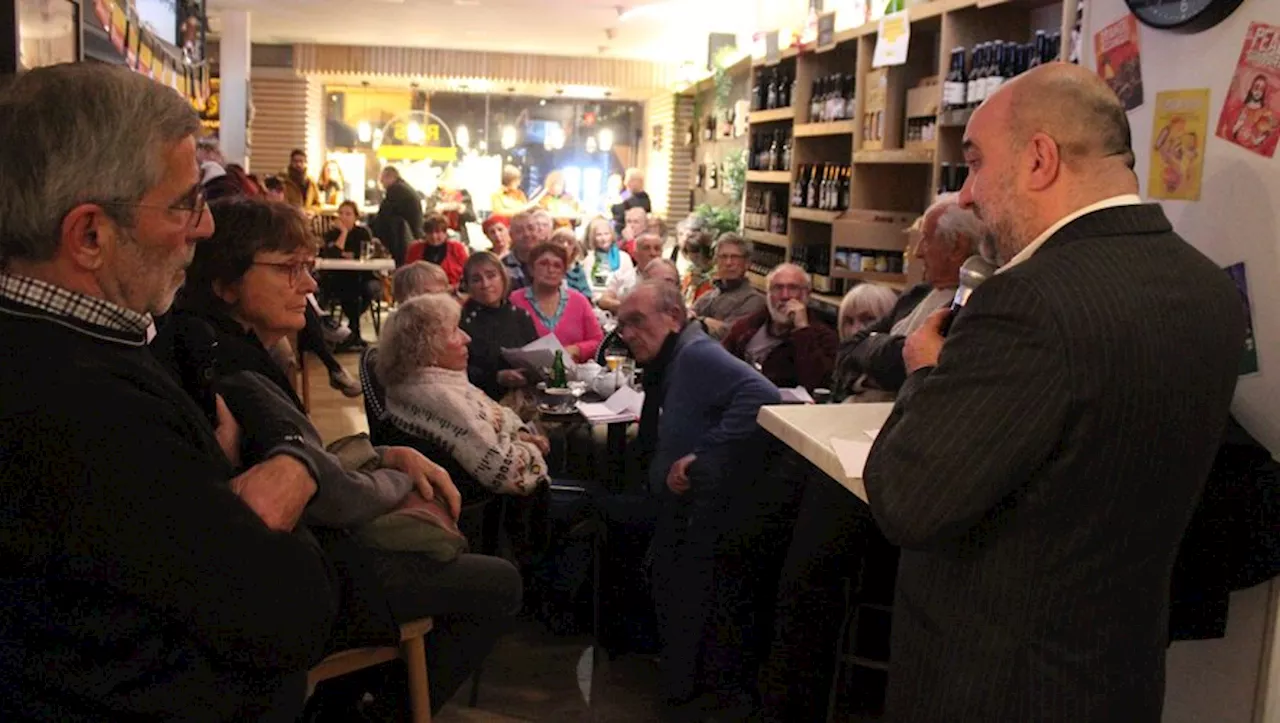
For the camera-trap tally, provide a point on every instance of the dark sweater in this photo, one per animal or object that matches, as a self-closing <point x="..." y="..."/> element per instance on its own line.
<point x="874" y="351"/>
<point x="136" y="584"/>
<point x="493" y="329"/>
<point x="803" y="359"/>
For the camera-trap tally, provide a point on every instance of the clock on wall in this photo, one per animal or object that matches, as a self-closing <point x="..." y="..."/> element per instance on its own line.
<point x="1182" y="16"/>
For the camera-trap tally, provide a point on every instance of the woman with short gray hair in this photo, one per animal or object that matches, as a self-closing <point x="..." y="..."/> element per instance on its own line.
<point x="422" y="360"/>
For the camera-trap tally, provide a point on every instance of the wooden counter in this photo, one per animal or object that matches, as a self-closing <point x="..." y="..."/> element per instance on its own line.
<point x="808" y="429"/>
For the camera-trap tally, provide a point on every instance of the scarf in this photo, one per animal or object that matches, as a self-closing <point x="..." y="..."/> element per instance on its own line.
<point x="482" y="436"/>
<point x="547" y="321"/>
<point x="606" y="262"/>
<point x="650" y="413"/>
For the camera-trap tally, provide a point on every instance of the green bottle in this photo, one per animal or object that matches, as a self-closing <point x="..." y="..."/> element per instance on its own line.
<point x="559" y="379"/>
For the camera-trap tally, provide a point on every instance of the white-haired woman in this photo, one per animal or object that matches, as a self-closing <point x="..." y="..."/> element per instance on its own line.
<point x="422" y="360"/>
<point x="859" y="309"/>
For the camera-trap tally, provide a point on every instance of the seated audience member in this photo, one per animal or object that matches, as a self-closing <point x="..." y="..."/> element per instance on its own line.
<point x="416" y="279"/>
<point x="864" y="305"/>
<point x="439" y="249"/>
<point x="604" y="259"/>
<point x="637" y="222"/>
<point x="632" y="195"/>
<point x="516" y="261"/>
<point x="354" y="290"/>
<point x="274" y="188"/>
<point x="494" y="324"/>
<point x="733" y="297"/>
<point x="622" y="281"/>
<point x="781" y="341"/>
<point x="498" y="230"/>
<point x="690" y="225"/>
<point x="556" y="309"/>
<point x="543" y="226"/>
<point x="422" y="361"/>
<point x="698" y="254"/>
<point x="575" y="277"/>
<point x="510" y="199"/>
<point x="664" y="270"/>
<point x="145" y="576"/>
<point x="699" y="418"/>
<point x="563" y="208"/>
<point x="249" y="283"/>
<point x="869" y="366"/>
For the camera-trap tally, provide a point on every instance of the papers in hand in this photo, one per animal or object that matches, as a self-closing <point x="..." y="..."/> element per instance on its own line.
<point x="795" y="395"/>
<point x="852" y="454"/>
<point x="623" y="405"/>
<point x="537" y="355"/>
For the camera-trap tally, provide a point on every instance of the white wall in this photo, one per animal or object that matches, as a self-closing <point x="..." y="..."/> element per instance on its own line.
<point x="1236" y="219"/>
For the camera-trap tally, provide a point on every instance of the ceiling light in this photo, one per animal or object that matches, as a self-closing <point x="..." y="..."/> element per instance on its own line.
<point x="591" y="144"/>
<point x="364" y="131"/>
<point x="508" y="137"/>
<point x="462" y="137"/>
<point x="415" y="133"/>
<point x="542" y="102"/>
<point x="606" y="139"/>
<point x="484" y="146"/>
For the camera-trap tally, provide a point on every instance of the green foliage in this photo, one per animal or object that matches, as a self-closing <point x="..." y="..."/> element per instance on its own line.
<point x="735" y="175"/>
<point x="723" y="81"/>
<point x="718" y="219"/>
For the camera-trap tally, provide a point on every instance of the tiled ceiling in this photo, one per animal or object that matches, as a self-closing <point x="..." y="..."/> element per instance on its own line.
<point x="658" y="30"/>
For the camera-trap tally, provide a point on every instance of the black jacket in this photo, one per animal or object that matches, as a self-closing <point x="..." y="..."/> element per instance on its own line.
<point x="136" y="584"/>
<point x="1040" y="478"/>
<point x="874" y="351"/>
<point x="492" y="330"/>
<point x="403" y="202"/>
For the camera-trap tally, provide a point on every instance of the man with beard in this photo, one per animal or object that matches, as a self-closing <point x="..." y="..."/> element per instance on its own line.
<point x="299" y="189"/>
<point x="1044" y="458"/>
<point x="142" y="580"/>
<point x="781" y="341"/>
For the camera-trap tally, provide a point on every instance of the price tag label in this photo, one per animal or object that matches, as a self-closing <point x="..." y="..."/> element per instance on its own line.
<point x="826" y="32"/>
<point x="893" y="40"/>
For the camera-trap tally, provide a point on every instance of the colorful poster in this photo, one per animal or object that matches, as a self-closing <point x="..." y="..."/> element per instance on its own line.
<point x="1251" y="112"/>
<point x="1119" y="60"/>
<point x="131" y="47"/>
<point x="1179" y="130"/>
<point x="119" y="22"/>
<point x="1249" y="357"/>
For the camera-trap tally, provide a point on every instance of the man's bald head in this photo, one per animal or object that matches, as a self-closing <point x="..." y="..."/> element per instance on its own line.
<point x="1075" y="108"/>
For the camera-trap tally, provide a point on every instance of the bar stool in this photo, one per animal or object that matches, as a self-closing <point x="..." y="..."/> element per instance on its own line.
<point x="412" y="650"/>
<point x="869" y="598"/>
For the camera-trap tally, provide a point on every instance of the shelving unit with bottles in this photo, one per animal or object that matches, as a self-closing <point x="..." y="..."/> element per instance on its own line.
<point x="715" y="133"/>
<point x="879" y="164"/>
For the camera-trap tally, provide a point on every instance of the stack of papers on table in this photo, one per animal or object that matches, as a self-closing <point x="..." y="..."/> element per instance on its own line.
<point x="623" y="406"/>
<point x="795" y="395"/>
<point x="538" y="355"/>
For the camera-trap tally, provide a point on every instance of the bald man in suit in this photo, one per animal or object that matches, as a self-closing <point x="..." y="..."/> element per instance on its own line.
<point x="1040" y="466"/>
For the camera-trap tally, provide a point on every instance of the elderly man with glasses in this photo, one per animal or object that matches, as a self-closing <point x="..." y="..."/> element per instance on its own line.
<point x="145" y="579"/>
<point x="733" y="298"/>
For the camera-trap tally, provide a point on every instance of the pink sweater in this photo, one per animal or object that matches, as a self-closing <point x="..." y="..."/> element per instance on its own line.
<point x="577" y="324"/>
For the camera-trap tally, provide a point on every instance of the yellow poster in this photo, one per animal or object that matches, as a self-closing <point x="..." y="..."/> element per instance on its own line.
<point x="1177" y="145"/>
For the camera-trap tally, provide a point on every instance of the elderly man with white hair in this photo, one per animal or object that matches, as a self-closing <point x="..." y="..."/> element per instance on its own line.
<point x="869" y="363"/>
<point x="787" y="346"/>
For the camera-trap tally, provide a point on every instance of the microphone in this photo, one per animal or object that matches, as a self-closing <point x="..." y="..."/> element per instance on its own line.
<point x="973" y="272"/>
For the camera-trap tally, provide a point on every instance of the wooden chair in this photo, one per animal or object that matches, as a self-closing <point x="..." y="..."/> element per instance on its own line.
<point x="412" y="651"/>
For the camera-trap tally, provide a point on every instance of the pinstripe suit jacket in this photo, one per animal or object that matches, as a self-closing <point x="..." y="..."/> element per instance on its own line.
<point x="1040" y="477"/>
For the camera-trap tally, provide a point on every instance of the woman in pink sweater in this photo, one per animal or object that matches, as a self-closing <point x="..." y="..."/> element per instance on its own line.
<point x="557" y="309"/>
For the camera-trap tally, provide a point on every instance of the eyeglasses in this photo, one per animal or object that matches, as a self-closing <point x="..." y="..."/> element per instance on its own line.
<point x="730" y="257"/>
<point x="787" y="288"/>
<point x="192" y="203"/>
<point x="295" y="268"/>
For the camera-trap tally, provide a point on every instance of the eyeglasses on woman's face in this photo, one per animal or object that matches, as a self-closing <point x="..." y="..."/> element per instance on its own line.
<point x="295" y="269"/>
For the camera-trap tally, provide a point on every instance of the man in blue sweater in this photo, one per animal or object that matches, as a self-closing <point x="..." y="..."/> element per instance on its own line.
<point x="699" y="419"/>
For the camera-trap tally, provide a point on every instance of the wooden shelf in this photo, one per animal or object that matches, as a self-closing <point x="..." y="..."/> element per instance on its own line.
<point x="756" y="117"/>
<point x="769" y="177"/>
<point x="783" y="54"/>
<point x="832" y="301"/>
<point x="837" y="128"/>
<point x="875" y="276"/>
<point x="764" y="237"/>
<point x="813" y="214"/>
<point x="757" y="281"/>
<point x="896" y="156"/>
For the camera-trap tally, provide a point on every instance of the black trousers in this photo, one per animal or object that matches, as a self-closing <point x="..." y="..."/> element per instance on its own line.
<point x="827" y="546"/>
<point x="311" y="338"/>
<point x="355" y="293"/>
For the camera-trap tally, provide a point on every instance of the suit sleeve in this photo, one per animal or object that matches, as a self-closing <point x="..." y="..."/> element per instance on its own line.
<point x="966" y="434"/>
<point x="815" y="355"/>
<point x="150" y="518"/>
<point x="880" y="356"/>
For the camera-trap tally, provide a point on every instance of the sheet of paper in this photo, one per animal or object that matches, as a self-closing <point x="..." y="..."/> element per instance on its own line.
<point x="852" y="454"/>
<point x="872" y="433"/>
<point x="537" y="355"/>
<point x="795" y="395"/>
<point x="623" y="405"/>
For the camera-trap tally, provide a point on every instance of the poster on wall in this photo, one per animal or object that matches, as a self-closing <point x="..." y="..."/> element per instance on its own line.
<point x="1251" y="112"/>
<point x="1119" y="61"/>
<point x="893" y="40"/>
<point x="1249" y="357"/>
<point x="1179" y="129"/>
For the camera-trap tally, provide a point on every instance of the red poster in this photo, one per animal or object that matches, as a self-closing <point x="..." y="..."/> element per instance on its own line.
<point x="1119" y="60"/>
<point x="1251" y="112"/>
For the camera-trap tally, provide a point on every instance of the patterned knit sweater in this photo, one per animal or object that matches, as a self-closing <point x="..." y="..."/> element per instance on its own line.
<point x="482" y="436"/>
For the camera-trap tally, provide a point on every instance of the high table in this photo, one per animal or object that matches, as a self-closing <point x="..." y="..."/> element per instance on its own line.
<point x="808" y="429"/>
<point x="356" y="265"/>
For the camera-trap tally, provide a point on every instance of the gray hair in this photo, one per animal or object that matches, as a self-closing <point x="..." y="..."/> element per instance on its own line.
<point x="730" y="238"/>
<point x="540" y="213"/>
<point x="80" y="133"/>
<point x="649" y="267"/>
<point x="875" y="298"/>
<point x="414" y="335"/>
<point x="412" y="280"/>
<point x="667" y="299"/>
<point x="955" y="224"/>
<point x="768" y="280"/>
